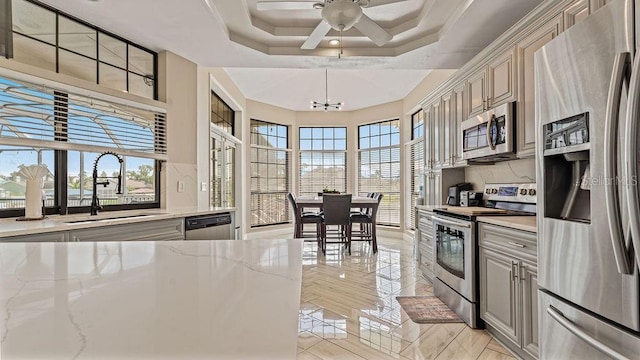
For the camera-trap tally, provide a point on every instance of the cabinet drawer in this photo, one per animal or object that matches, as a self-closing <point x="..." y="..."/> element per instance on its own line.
<point x="426" y="253"/>
<point x="519" y="243"/>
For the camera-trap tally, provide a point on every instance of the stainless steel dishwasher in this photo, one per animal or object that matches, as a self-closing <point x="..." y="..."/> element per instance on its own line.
<point x="209" y="227"/>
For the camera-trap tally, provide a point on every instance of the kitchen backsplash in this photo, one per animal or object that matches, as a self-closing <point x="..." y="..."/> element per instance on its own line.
<point x="514" y="171"/>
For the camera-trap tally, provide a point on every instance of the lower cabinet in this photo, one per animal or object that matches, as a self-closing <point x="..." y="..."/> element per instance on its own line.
<point x="424" y="237"/>
<point x="44" y="237"/>
<point x="159" y="230"/>
<point x="508" y="287"/>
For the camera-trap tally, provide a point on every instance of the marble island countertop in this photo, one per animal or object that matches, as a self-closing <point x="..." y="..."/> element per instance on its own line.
<point x="52" y="223"/>
<point x="150" y="300"/>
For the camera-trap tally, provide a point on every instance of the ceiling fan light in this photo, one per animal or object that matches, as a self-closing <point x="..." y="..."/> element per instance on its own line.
<point x="334" y="42"/>
<point x="341" y="14"/>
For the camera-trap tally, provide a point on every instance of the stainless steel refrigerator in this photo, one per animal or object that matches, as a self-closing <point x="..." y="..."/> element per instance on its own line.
<point x="587" y="114"/>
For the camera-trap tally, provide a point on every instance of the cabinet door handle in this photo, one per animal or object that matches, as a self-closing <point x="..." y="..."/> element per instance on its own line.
<point x="523" y="274"/>
<point x="514" y="271"/>
<point x="517" y="244"/>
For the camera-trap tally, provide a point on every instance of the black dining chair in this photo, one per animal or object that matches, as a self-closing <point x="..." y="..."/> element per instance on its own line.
<point x="303" y="217"/>
<point x="367" y="220"/>
<point x="336" y="210"/>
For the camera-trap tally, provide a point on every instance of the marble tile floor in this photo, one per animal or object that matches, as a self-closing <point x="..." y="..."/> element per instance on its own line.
<point x="348" y="309"/>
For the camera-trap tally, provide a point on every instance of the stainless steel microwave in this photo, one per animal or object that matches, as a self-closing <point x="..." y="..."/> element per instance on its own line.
<point x="490" y="136"/>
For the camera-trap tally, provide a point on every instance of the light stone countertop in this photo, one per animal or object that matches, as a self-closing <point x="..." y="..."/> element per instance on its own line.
<point x="150" y="300"/>
<point x="525" y="223"/>
<point x="52" y="223"/>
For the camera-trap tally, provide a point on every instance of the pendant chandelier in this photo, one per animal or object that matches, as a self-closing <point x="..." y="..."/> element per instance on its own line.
<point x="327" y="103"/>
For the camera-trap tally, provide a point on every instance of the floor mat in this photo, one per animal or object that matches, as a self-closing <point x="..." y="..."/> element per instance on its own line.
<point x="427" y="309"/>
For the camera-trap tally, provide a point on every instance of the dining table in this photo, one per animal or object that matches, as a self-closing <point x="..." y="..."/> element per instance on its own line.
<point x="306" y="202"/>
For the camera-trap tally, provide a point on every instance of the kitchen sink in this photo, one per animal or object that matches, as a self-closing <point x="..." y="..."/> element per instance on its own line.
<point x="106" y="218"/>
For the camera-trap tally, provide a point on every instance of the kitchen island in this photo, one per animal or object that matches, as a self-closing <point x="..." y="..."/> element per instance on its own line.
<point x="152" y="300"/>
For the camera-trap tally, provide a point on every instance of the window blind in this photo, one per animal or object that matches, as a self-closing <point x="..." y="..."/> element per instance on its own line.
<point x="47" y="117"/>
<point x="415" y="156"/>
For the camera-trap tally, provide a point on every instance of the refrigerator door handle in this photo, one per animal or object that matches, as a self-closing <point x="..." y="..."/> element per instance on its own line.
<point x="621" y="253"/>
<point x="577" y="331"/>
<point x="630" y="174"/>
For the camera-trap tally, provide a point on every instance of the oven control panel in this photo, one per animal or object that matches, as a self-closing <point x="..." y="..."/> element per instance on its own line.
<point x="525" y="193"/>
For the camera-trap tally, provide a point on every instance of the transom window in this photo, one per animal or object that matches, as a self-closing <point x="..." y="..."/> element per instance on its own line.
<point x="270" y="167"/>
<point x="323" y="158"/>
<point x="221" y="114"/>
<point x="49" y="39"/>
<point x="379" y="167"/>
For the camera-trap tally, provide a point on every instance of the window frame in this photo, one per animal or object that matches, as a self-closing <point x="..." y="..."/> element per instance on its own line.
<point x="322" y="151"/>
<point x="391" y="146"/>
<point x="288" y="152"/>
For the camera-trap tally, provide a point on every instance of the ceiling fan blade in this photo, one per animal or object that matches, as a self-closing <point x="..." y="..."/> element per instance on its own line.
<point x="316" y="36"/>
<point x="372" y="3"/>
<point x="373" y="31"/>
<point x="285" y="5"/>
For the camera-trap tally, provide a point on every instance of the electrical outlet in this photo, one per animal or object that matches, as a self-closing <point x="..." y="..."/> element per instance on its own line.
<point x="180" y="186"/>
<point x="203" y="186"/>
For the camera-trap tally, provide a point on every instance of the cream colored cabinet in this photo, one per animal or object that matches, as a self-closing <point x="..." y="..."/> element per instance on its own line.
<point x="444" y="142"/>
<point x="492" y="85"/>
<point x="157" y="230"/>
<point x="424" y="237"/>
<point x="429" y="135"/>
<point x="455" y="125"/>
<point x="437" y="135"/>
<point x="575" y="13"/>
<point x="508" y="287"/>
<point x="501" y="79"/>
<point x="476" y="93"/>
<point x="59" y="236"/>
<point x="526" y="116"/>
<point x="443" y="121"/>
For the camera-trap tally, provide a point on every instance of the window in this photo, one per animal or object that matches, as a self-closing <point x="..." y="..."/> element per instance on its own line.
<point x="270" y="166"/>
<point x="49" y="39"/>
<point x="323" y="158"/>
<point x="67" y="132"/>
<point x="223" y="168"/>
<point x="379" y="167"/>
<point x="221" y="114"/>
<point x="415" y="152"/>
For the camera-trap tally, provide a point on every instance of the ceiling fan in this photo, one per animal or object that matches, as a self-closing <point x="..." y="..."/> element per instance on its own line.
<point x="340" y="15"/>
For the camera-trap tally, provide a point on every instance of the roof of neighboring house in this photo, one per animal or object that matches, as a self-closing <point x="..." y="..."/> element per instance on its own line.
<point x="15" y="188"/>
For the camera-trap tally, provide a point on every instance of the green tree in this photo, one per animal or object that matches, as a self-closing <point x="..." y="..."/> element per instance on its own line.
<point x="144" y="173"/>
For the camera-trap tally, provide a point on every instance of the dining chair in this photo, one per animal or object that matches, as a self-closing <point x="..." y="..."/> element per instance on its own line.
<point x="303" y="217"/>
<point x="367" y="220"/>
<point x="336" y="210"/>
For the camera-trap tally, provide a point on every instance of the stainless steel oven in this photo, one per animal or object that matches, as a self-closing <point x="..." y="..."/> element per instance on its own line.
<point x="490" y="136"/>
<point x="455" y="266"/>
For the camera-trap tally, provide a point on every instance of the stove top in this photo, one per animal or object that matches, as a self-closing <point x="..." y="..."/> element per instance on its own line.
<point x="500" y="199"/>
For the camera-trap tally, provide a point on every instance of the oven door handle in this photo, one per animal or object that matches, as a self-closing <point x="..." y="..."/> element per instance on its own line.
<point x="450" y="222"/>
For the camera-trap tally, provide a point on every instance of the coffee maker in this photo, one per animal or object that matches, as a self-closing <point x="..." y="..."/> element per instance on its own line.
<point x="454" y="193"/>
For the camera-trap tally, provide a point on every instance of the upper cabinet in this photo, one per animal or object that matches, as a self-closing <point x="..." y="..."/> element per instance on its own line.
<point x="501" y="81"/>
<point x="501" y="73"/>
<point x="476" y="92"/>
<point x="526" y="116"/>
<point x="575" y="13"/>
<point x="492" y="85"/>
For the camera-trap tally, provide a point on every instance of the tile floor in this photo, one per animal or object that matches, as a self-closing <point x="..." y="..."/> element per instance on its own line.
<point x="348" y="309"/>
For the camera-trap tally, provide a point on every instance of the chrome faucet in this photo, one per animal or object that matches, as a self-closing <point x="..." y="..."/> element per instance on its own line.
<point x="95" y="202"/>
